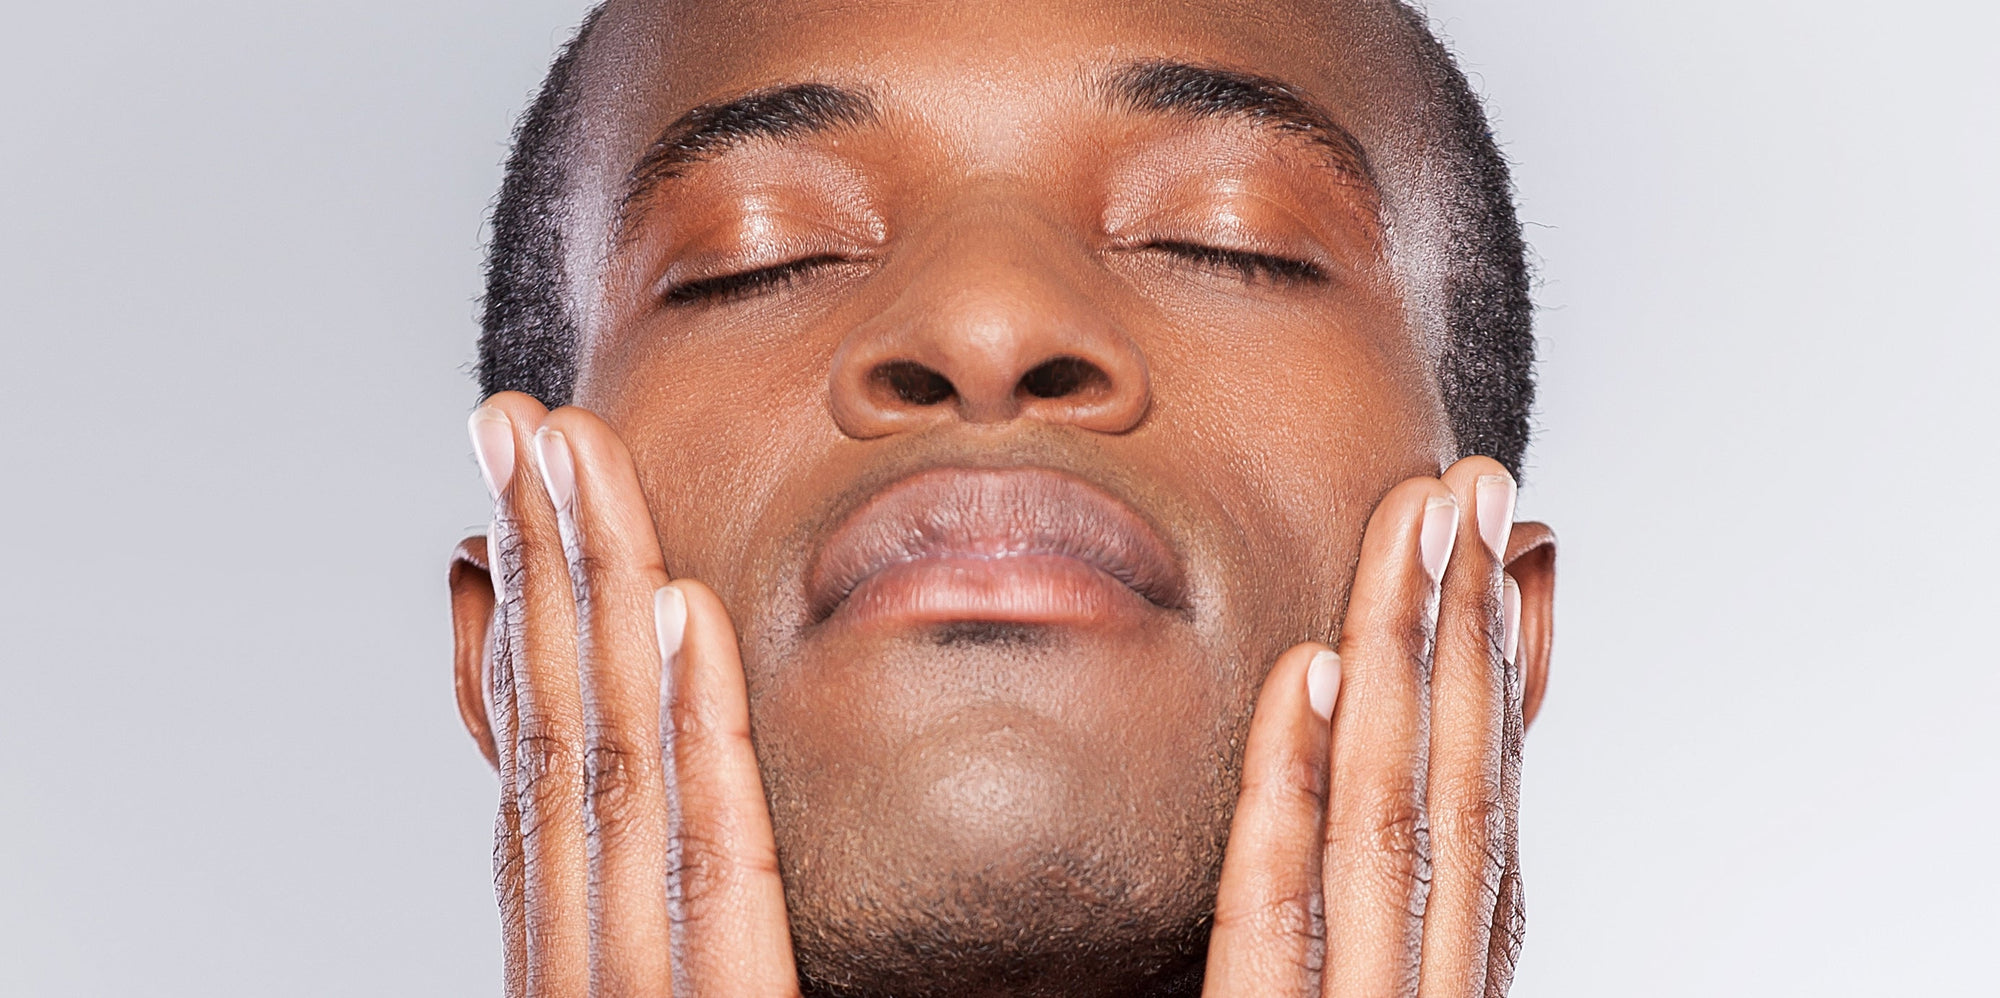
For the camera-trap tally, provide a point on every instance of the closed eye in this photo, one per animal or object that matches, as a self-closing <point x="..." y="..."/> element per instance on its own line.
<point x="1251" y="268"/>
<point x="749" y="283"/>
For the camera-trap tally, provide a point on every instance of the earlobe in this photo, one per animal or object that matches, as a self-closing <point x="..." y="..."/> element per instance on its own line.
<point x="1531" y="561"/>
<point x="471" y="621"/>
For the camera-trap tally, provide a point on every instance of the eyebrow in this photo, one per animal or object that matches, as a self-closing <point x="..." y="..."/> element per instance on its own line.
<point x="709" y="130"/>
<point x="1154" y="87"/>
<point x="1202" y="92"/>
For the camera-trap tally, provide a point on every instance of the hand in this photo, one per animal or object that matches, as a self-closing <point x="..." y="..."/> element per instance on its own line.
<point x="633" y="851"/>
<point x="1375" y="855"/>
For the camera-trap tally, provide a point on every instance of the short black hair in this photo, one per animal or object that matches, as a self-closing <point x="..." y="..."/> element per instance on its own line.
<point x="1486" y="349"/>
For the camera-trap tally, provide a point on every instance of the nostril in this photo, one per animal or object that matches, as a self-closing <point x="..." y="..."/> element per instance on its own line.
<point x="1063" y="377"/>
<point x="912" y="383"/>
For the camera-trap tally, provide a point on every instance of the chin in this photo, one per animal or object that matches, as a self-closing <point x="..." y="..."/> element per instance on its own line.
<point x="1036" y="916"/>
<point x="1002" y="849"/>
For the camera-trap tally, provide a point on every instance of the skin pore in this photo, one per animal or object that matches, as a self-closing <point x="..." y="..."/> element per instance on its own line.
<point x="859" y="273"/>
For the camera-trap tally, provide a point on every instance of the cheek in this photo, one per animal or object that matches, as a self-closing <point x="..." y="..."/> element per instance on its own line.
<point x="716" y="429"/>
<point x="1297" y="433"/>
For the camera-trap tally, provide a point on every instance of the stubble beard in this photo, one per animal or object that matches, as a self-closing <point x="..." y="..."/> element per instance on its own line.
<point x="1011" y="861"/>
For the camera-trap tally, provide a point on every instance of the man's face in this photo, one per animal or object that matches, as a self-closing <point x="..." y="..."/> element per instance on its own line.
<point x="1061" y="418"/>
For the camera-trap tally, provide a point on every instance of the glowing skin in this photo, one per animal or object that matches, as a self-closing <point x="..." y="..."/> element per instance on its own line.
<point x="1015" y="420"/>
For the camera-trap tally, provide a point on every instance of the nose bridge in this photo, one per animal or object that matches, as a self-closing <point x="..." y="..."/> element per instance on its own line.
<point x="997" y="315"/>
<point x="1005" y="234"/>
<point x="993" y="283"/>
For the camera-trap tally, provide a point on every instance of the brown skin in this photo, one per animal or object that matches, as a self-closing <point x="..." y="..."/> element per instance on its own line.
<point x="993" y="810"/>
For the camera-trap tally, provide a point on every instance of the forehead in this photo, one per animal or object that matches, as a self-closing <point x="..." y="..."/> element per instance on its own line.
<point x="712" y="44"/>
<point x="987" y="68"/>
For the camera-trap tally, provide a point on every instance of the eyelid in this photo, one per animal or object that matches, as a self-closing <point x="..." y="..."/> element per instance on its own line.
<point x="750" y="231"/>
<point x="1251" y="265"/>
<point x="1240" y="212"/>
<point x="818" y="244"/>
<point x="1275" y="232"/>
<point x="749" y="282"/>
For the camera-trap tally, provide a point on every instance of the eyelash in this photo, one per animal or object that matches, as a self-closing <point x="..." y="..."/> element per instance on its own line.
<point x="1251" y="268"/>
<point x="749" y="283"/>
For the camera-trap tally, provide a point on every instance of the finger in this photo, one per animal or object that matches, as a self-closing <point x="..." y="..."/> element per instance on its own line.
<point x="543" y="755"/>
<point x="734" y="937"/>
<point x="1509" y="927"/>
<point x="1377" y="859"/>
<point x="1269" y="936"/>
<point x="493" y="446"/>
<point x="508" y="885"/>
<point x="1469" y="804"/>
<point x="1510" y="908"/>
<point x="615" y="567"/>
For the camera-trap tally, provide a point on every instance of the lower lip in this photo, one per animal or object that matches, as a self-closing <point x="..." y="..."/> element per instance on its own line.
<point x="1015" y="589"/>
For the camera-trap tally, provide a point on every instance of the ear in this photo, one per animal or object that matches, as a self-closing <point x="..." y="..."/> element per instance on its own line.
<point x="471" y="625"/>
<point x="1531" y="560"/>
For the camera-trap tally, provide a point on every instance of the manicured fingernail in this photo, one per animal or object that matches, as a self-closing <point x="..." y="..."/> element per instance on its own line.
<point x="558" y="469"/>
<point x="1440" y="530"/>
<point x="492" y="447"/>
<point x="1510" y="617"/>
<point x="670" y="615"/>
<point x="1323" y="684"/>
<point x="494" y="570"/>
<point x="1495" y="495"/>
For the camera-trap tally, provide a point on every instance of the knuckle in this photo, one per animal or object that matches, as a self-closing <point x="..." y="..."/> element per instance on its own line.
<point x="1510" y="928"/>
<point x="591" y="571"/>
<point x="1479" y="628"/>
<point x="1408" y="638"/>
<point x="720" y="857"/>
<point x="1495" y="865"/>
<point x="507" y="855"/>
<point x="1411" y="624"/>
<point x="1399" y="843"/>
<point x="1476" y="816"/>
<point x="594" y="571"/>
<point x="615" y="775"/>
<point x="1297" y="916"/>
<point x="1403" y="629"/>
<point x="705" y="866"/>
<point x="1296" y="781"/>
<point x="700" y="732"/>
<point x="546" y="764"/>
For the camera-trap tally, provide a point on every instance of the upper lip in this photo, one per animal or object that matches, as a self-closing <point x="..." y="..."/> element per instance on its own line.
<point x="992" y="513"/>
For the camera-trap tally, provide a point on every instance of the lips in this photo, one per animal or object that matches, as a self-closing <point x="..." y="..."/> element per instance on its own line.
<point x="1025" y="546"/>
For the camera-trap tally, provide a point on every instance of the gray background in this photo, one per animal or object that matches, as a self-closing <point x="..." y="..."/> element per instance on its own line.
<point x="240" y="256"/>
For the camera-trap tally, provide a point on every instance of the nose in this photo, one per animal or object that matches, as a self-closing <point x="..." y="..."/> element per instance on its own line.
<point x="994" y="322"/>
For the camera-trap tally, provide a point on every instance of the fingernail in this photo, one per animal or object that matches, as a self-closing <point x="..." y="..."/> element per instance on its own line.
<point x="494" y="569"/>
<point x="492" y="447"/>
<point x="670" y="615"/>
<point x="1323" y="684"/>
<point x="558" y="469"/>
<point x="1440" y="530"/>
<point x="1510" y="617"/>
<point x="1495" y="495"/>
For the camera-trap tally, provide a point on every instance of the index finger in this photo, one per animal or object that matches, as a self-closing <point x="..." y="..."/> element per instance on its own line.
<point x="1377" y="855"/>
<point x="615" y="567"/>
<point x="1470" y="803"/>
